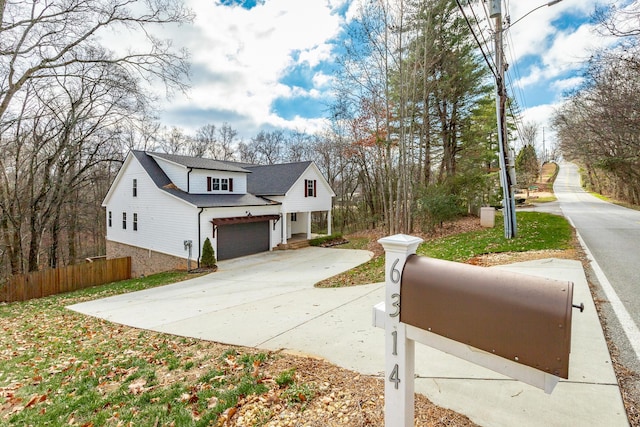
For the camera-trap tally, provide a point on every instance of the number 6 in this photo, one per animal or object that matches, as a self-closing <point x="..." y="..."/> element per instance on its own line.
<point x="394" y="273"/>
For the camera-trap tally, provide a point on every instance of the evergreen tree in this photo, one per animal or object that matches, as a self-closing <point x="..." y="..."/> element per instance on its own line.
<point x="527" y="166"/>
<point x="208" y="259"/>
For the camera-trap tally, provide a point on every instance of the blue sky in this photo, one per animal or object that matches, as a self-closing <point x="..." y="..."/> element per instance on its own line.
<point x="267" y="64"/>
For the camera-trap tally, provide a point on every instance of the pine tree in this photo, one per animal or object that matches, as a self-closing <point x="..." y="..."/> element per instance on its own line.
<point x="208" y="259"/>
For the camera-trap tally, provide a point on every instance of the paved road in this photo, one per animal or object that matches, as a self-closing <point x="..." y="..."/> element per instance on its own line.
<point x="612" y="234"/>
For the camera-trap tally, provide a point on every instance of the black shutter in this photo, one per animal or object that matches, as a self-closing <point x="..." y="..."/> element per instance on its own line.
<point x="231" y="185"/>
<point x="208" y="183"/>
<point x="315" y="185"/>
<point x="306" y="186"/>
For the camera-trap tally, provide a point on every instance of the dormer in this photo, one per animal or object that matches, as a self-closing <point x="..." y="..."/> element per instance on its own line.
<point x="202" y="176"/>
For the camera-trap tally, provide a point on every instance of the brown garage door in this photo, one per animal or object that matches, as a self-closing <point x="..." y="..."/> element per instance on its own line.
<point x="238" y="240"/>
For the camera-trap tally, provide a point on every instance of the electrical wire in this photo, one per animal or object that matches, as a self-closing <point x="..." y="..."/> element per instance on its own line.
<point x="484" y="55"/>
<point x="477" y="21"/>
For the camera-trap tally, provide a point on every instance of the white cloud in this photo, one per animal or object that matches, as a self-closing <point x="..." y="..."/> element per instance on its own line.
<point x="563" y="85"/>
<point x="548" y="50"/>
<point x="321" y="79"/>
<point x="239" y="55"/>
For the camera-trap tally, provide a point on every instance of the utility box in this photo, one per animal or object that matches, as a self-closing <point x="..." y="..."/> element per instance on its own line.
<point x="526" y="319"/>
<point x="488" y="217"/>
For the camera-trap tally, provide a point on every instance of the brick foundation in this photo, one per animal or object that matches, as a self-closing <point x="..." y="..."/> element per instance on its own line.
<point x="145" y="261"/>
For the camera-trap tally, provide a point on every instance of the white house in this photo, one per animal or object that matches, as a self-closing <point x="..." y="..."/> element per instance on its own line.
<point x="161" y="207"/>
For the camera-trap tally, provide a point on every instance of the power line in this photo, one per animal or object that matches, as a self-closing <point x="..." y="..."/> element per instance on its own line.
<point x="484" y="55"/>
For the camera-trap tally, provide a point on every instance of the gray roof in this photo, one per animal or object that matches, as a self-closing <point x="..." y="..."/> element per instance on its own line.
<point x="162" y="181"/>
<point x="220" y="200"/>
<point x="274" y="180"/>
<point x="199" y="162"/>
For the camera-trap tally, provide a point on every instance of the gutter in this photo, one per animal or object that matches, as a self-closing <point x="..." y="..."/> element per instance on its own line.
<point x="199" y="236"/>
<point x="189" y="180"/>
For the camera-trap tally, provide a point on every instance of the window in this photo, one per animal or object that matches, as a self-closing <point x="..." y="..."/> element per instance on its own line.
<point x="110" y="219"/>
<point x="135" y="221"/>
<point x="135" y="188"/>
<point x="310" y="188"/>
<point x="294" y="216"/>
<point x="124" y="220"/>
<point x="219" y="184"/>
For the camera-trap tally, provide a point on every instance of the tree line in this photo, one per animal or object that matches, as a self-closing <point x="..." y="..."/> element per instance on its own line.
<point x="410" y="140"/>
<point x="598" y="126"/>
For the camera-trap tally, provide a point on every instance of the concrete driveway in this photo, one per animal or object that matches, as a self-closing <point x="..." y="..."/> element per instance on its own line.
<point x="268" y="301"/>
<point x="249" y="301"/>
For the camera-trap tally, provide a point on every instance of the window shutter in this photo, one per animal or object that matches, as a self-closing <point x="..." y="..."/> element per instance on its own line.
<point x="208" y="183"/>
<point x="315" y="185"/>
<point x="306" y="187"/>
<point x="231" y="185"/>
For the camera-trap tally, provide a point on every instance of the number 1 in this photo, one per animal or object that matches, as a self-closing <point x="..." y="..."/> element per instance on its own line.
<point x="395" y="343"/>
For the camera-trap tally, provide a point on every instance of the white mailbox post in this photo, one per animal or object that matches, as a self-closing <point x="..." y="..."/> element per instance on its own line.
<point x="514" y="324"/>
<point x="399" y="350"/>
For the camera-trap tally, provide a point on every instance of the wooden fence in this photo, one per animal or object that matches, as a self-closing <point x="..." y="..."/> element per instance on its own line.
<point x="23" y="287"/>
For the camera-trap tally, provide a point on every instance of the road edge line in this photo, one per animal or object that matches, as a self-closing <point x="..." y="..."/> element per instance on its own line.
<point x="629" y="327"/>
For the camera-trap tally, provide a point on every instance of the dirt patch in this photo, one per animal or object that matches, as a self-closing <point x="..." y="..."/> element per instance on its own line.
<point x="489" y="260"/>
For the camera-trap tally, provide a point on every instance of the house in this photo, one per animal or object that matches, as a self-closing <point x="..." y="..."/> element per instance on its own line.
<point x="161" y="207"/>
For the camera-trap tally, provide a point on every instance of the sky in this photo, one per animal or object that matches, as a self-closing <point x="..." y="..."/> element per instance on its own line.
<point x="267" y="64"/>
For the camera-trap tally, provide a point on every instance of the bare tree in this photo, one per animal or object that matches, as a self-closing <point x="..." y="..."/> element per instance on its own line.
<point x="65" y="103"/>
<point x="226" y="142"/>
<point x="529" y="134"/>
<point x="175" y="141"/>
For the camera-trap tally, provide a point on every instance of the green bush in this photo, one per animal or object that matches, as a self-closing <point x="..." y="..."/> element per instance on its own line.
<point x="437" y="205"/>
<point x="208" y="259"/>
<point x="324" y="239"/>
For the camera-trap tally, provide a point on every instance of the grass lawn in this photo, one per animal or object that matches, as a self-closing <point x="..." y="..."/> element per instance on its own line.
<point x="58" y="367"/>
<point x="536" y="231"/>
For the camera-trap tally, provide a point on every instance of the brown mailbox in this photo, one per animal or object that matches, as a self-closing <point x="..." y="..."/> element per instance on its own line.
<point x="523" y="318"/>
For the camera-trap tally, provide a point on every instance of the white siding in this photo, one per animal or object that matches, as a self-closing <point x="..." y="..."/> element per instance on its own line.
<point x="176" y="173"/>
<point x="295" y="201"/>
<point x="164" y="222"/>
<point x="198" y="181"/>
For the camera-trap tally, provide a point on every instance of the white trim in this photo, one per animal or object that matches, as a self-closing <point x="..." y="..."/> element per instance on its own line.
<point x="321" y="179"/>
<point x="117" y="179"/>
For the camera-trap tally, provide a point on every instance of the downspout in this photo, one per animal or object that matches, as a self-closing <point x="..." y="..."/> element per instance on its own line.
<point x="199" y="237"/>
<point x="189" y="180"/>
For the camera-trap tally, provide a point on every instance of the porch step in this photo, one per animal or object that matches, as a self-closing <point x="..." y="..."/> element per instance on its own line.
<point x="298" y="244"/>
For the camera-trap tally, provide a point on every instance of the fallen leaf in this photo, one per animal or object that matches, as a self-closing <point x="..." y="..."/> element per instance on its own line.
<point x="256" y="367"/>
<point x="137" y="386"/>
<point x="212" y="402"/>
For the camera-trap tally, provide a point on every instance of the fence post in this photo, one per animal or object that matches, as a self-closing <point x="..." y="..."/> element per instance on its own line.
<point x="399" y="351"/>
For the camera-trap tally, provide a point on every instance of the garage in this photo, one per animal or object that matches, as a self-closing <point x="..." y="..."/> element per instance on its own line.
<point x="242" y="236"/>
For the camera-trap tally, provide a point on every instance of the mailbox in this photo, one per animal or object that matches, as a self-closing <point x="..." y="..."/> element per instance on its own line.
<point x="526" y="319"/>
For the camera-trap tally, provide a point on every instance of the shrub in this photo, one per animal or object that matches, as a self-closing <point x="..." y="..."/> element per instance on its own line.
<point x="324" y="239"/>
<point x="208" y="259"/>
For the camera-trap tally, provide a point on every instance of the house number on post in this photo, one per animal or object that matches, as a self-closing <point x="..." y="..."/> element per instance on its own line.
<point x="399" y="366"/>
<point x="394" y="275"/>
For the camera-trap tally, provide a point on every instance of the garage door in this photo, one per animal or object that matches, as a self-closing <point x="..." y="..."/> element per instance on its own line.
<point x="238" y="240"/>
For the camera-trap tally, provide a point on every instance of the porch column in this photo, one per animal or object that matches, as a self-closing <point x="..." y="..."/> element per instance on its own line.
<point x="329" y="222"/>
<point x="284" y="219"/>
<point x="309" y="225"/>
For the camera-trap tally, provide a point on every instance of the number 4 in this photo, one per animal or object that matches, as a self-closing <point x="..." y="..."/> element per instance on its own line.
<point x="395" y="376"/>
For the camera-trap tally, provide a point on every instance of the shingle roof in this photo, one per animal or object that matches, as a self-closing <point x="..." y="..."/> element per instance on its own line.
<point x="199" y="163"/>
<point x="220" y="200"/>
<point x="274" y="180"/>
<point x="162" y="181"/>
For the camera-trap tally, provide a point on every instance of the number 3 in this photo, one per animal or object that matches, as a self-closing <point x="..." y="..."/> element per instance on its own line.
<point x="396" y="305"/>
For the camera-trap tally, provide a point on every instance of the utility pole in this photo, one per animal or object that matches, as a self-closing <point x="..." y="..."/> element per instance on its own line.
<point x="507" y="173"/>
